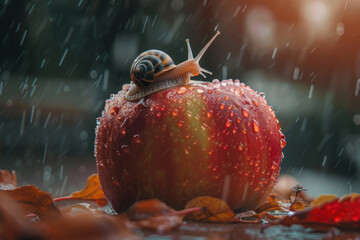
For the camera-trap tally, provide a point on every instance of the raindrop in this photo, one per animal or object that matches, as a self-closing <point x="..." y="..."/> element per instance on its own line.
<point x="228" y="123"/>
<point x="125" y="149"/>
<point x="245" y="113"/>
<point x="175" y="112"/>
<point x="255" y="126"/>
<point x="137" y="138"/>
<point x="181" y="91"/>
<point x="114" y="111"/>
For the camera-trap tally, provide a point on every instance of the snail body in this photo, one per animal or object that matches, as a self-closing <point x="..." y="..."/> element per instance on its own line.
<point x="154" y="70"/>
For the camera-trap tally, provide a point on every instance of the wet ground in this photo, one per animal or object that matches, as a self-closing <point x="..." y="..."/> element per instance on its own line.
<point x="209" y="231"/>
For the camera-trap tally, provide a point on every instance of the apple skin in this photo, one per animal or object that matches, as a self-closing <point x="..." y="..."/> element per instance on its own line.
<point x="219" y="139"/>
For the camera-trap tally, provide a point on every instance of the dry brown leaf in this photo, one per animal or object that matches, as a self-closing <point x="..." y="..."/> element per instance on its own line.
<point x="215" y="210"/>
<point x="92" y="192"/>
<point x="146" y="209"/>
<point x="7" y="178"/>
<point x="298" y="205"/>
<point x="30" y="199"/>
<point x="90" y="226"/>
<point x="272" y="204"/>
<point x="323" y="199"/>
<point x="13" y="224"/>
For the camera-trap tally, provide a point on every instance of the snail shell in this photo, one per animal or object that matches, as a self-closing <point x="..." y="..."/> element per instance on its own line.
<point x="154" y="70"/>
<point x="147" y="65"/>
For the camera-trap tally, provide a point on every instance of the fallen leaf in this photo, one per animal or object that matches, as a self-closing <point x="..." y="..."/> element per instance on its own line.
<point x="323" y="199"/>
<point x="80" y="208"/>
<point x="214" y="210"/>
<point x="271" y="204"/>
<point x="92" y="192"/>
<point x="298" y="205"/>
<point x="146" y="209"/>
<point x="342" y="213"/>
<point x="13" y="224"/>
<point x="7" y="178"/>
<point x="90" y="226"/>
<point x="29" y="199"/>
<point x="155" y="214"/>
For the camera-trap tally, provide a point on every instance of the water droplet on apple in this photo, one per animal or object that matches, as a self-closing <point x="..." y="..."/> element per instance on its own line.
<point x="240" y="148"/>
<point x="181" y="123"/>
<point x="274" y="165"/>
<point x="228" y="123"/>
<point x="209" y="114"/>
<point x="255" y="126"/>
<point x="245" y="113"/>
<point x="137" y="138"/>
<point x="181" y="91"/>
<point x="114" y="111"/>
<point x="125" y="149"/>
<point x="282" y="141"/>
<point x="222" y="106"/>
<point x="175" y="112"/>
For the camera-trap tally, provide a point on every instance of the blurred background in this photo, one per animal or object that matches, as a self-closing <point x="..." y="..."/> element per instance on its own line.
<point x="61" y="59"/>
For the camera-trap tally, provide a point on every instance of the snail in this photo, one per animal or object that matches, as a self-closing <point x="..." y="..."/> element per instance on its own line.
<point x="154" y="70"/>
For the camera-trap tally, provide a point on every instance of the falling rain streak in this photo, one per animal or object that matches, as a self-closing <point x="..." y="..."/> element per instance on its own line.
<point x="23" y="37"/>
<point x="44" y="155"/>
<point x="357" y="87"/>
<point x="311" y="91"/>
<point x="63" y="57"/>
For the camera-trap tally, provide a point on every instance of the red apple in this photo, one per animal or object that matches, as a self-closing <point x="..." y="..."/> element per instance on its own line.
<point x="219" y="139"/>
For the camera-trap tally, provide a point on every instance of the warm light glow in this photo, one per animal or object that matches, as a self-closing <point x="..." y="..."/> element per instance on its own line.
<point x="260" y="26"/>
<point x="316" y="14"/>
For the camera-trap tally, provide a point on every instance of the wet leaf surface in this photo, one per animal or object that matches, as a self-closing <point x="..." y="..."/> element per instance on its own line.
<point x="91" y="192"/>
<point x="31" y="200"/>
<point x="342" y="213"/>
<point x="214" y="210"/>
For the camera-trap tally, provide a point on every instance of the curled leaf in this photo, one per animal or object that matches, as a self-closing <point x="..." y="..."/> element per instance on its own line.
<point x="146" y="209"/>
<point x="343" y="213"/>
<point x="92" y="192"/>
<point x="30" y="200"/>
<point x="323" y="199"/>
<point x="214" y="210"/>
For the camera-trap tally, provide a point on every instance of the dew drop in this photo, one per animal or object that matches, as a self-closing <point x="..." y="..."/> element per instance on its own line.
<point x="137" y="138"/>
<point x="125" y="149"/>
<point x="114" y="111"/>
<point x="175" y="112"/>
<point x="228" y="123"/>
<point x="282" y="141"/>
<point x="274" y="166"/>
<point x="181" y="91"/>
<point x="245" y="113"/>
<point x="255" y="126"/>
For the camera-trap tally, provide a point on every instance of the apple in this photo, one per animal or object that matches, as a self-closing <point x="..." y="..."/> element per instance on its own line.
<point x="219" y="139"/>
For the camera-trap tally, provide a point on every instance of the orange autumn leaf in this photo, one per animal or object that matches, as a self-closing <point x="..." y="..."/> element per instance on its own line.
<point x="145" y="209"/>
<point x="92" y="192"/>
<point x="323" y="199"/>
<point x="155" y="214"/>
<point x="341" y="213"/>
<point x="214" y="210"/>
<point x="30" y="200"/>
